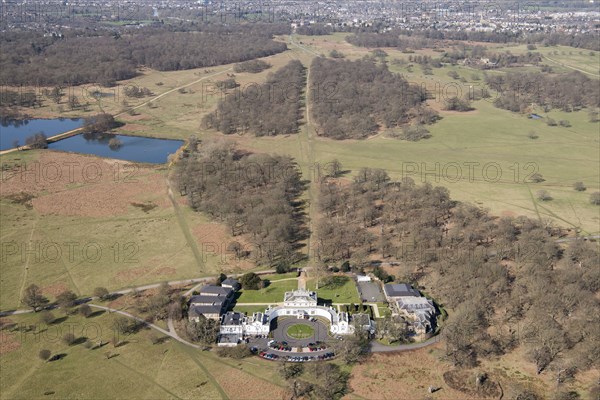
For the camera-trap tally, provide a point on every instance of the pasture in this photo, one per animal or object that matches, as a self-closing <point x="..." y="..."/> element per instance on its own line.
<point x="136" y="369"/>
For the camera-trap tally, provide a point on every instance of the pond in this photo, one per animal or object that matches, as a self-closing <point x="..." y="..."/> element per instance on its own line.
<point x="132" y="148"/>
<point x="13" y="130"/>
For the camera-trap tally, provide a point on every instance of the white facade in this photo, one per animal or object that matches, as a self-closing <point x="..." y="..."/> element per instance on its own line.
<point x="300" y="304"/>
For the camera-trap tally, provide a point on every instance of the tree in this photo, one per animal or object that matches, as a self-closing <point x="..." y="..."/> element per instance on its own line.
<point x="236" y="352"/>
<point x="69" y="338"/>
<point x="204" y="330"/>
<point x="37" y="141"/>
<point x="221" y="278"/>
<point x="543" y="195"/>
<point x="579" y="186"/>
<point x="115" y="143"/>
<point x="536" y="177"/>
<point x="85" y="310"/>
<point x="56" y="94"/>
<point x="45" y="354"/>
<point x="33" y="297"/>
<point x="174" y="311"/>
<point x="393" y="329"/>
<point x="595" y="198"/>
<point x="125" y="325"/>
<point x="532" y="135"/>
<point x="290" y="370"/>
<point x="66" y="300"/>
<point x="73" y="102"/>
<point x="46" y="317"/>
<point x="101" y="293"/>
<point x="250" y="281"/>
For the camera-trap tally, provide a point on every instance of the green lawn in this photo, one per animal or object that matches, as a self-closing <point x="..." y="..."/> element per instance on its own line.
<point x="271" y="294"/>
<point x="277" y="277"/>
<point x="300" y="331"/>
<point x="249" y="310"/>
<point x="341" y="289"/>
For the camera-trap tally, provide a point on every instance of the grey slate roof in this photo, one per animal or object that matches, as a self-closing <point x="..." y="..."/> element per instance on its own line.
<point x="201" y="299"/>
<point x="232" y="318"/>
<point x="400" y="289"/>
<point x="216" y="290"/>
<point x="231" y="282"/>
<point x="196" y="311"/>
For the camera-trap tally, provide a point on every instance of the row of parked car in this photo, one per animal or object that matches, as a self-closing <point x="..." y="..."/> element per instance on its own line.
<point x="283" y="346"/>
<point x="271" y="356"/>
<point x="317" y="346"/>
<point x="268" y="356"/>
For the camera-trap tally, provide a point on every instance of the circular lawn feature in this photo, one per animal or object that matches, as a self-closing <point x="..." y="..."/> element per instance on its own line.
<point x="300" y="331"/>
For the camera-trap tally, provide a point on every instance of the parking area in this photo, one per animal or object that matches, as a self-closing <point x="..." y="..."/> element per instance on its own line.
<point x="282" y="346"/>
<point x="370" y="292"/>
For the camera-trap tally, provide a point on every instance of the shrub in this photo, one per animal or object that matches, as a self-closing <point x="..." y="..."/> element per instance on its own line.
<point x="68" y="338"/>
<point x="45" y="354"/>
<point x="532" y="135"/>
<point x="537" y="178"/>
<point x="85" y="310"/>
<point x="47" y="317"/>
<point x="579" y="186"/>
<point x="101" y="293"/>
<point x="595" y="198"/>
<point x="564" y="123"/>
<point x="543" y="195"/>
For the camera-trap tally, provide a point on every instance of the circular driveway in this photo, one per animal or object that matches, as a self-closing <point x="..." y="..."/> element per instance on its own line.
<point x="280" y="326"/>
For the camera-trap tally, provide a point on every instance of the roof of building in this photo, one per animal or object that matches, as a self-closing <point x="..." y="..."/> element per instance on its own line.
<point x="232" y="318"/>
<point x="400" y="290"/>
<point x="230" y="282"/>
<point x="216" y="290"/>
<point x="195" y="311"/>
<point x="204" y="299"/>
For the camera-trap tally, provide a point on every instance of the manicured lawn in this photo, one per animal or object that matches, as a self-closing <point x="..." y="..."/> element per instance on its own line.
<point x="300" y="331"/>
<point x="249" y="310"/>
<point x="276" y="277"/>
<point x="340" y="289"/>
<point x="271" y="294"/>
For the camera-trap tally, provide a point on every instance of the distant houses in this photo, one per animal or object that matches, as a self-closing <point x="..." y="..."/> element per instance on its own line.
<point x="409" y="302"/>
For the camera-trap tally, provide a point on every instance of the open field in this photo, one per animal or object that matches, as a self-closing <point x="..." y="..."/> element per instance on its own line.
<point x="404" y="375"/>
<point x="342" y="289"/>
<point x="488" y="136"/>
<point x="79" y="222"/>
<point x="137" y="369"/>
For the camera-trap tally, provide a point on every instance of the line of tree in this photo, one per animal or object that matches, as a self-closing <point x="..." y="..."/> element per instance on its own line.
<point x="354" y="99"/>
<point x="367" y="37"/>
<point x="506" y="280"/>
<point x="78" y="57"/>
<point x="251" y="66"/>
<point x="269" y="109"/>
<point x="314" y="30"/>
<point x="567" y="92"/>
<point x="256" y="195"/>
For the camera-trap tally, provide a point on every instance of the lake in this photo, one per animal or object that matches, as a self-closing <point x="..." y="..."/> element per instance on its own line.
<point x="133" y="148"/>
<point x="21" y="130"/>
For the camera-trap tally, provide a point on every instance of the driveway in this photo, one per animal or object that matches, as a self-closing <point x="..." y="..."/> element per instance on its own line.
<point x="279" y="327"/>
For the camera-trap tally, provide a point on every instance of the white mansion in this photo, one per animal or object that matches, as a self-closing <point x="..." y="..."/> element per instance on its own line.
<point x="299" y="303"/>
